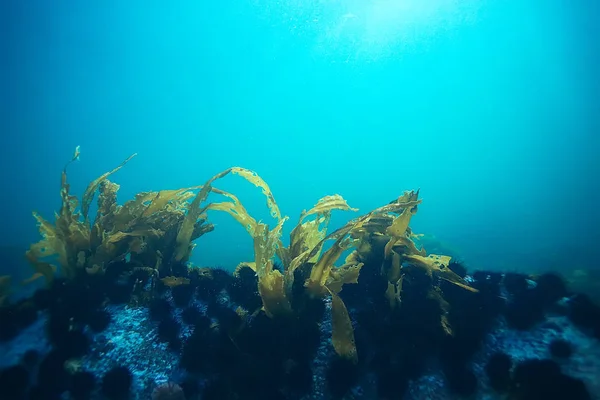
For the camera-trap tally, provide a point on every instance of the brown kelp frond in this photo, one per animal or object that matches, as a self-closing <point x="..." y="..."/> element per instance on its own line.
<point x="388" y="225"/>
<point x="235" y="209"/>
<point x="42" y="269"/>
<point x="347" y="273"/>
<point x="107" y="206"/>
<point x="63" y="240"/>
<point x="326" y="204"/>
<point x="71" y="234"/>
<point x="163" y="210"/>
<point x="398" y="229"/>
<point x="172" y="281"/>
<point x="89" y="193"/>
<point x="145" y="228"/>
<point x="257" y="181"/>
<point x="436" y="265"/>
<point x="307" y="238"/>
<point x="345" y="237"/>
<point x="392" y="293"/>
<point x="308" y="234"/>
<point x="306" y="242"/>
<point x="169" y="199"/>
<point x="320" y="273"/>
<point x="342" y="332"/>
<point x="266" y="241"/>
<point x="186" y="230"/>
<point x="270" y="281"/>
<point x="156" y="230"/>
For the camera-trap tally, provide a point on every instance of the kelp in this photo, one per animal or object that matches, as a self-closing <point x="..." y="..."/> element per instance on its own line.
<point x="172" y="281"/>
<point x="270" y="281"/>
<point x="266" y="242"/>
<point x="257" y="181"/>
<point x="342" y="332"/>
<point x="183" y="241"/>
<point x="306" y="242"/>
<point x="326" y="279"/>
<point x="307" y="237"/>
<point x="236" y="210"/>
<point x="157" y="228"/>
<point x="436" y="265"/>
<point x="144" y="228"/>
<point x="90" y="191"/>
<point x="386" y="229"/>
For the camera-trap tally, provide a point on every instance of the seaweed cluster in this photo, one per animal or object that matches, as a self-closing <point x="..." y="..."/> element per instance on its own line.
<point x="390" y="309"/>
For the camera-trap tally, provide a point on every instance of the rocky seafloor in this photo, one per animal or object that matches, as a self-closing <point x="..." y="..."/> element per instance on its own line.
<point x="523" y="352"/>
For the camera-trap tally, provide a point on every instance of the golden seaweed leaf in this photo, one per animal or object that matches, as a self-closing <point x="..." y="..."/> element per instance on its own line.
<point x="323" y="276"/>
<point x="107" y="206"/>
<point x="304" y="239"/>
<point x="235" y="209"/>
<point x="88" y="195"/>
<point x="52" y="242"/>
<point x="257" y="181"/>
<point x="69" y="235"/>
<point x="376" y="224"/>
<point x="128" y="214"/>
<point x="393" y="274"/>
<point x="270" y="282"/>
<point x="342" y="332"/>
<point x="42" y="269"/>
<point x="184" y="234"/>
<point x="347" y="273"/>
<point x="319" y="274"/>
<point x="327" y="204"/>
<point x="107" y="201"/>
<point x="272" y="292"/>
<point x="305" y="236"/>
<point x="172" y="281"/>
<point x="399" y="227"/>
<point x="118" y="236"/>
<point x="298" y="261"/>
<point x="435" y="293"/>
<point x="202" y="227"/>
<point x="163" y="198"/>
<point x="400" y="224"/>
<point x="62" y="241"/>
<point x="266" y="242"/>
<point x="137" y="226"/>
<point x="116" y="245"/>
<point x="67" y="214"/>
<point x="430" y="263"/>
<point x="392" y="294"/>
<point x="438" y="265"/>
<point x="310" y="234"/>
<point x="407" y="246"/>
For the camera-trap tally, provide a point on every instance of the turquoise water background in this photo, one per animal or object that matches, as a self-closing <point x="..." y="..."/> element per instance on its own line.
<point x="491" y="108"/>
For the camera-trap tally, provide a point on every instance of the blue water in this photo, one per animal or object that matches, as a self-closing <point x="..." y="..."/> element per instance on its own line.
<point x="492" y="108"/>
